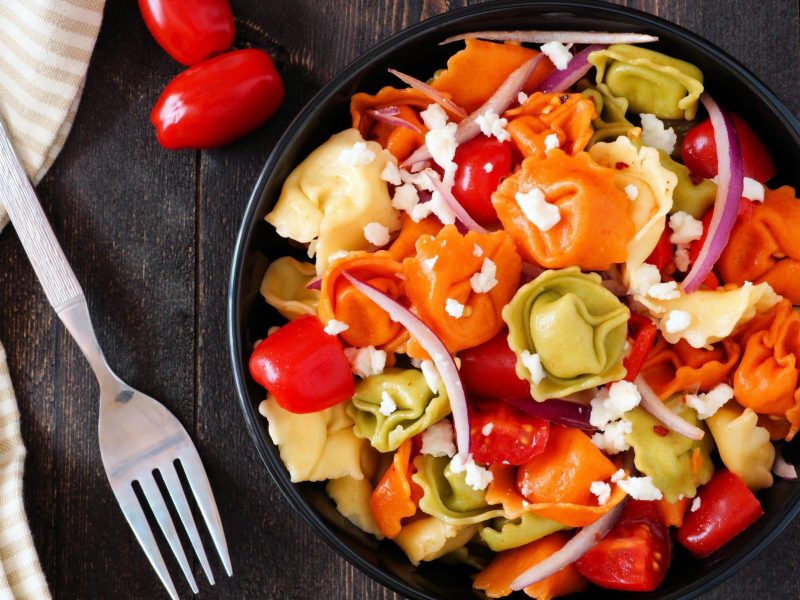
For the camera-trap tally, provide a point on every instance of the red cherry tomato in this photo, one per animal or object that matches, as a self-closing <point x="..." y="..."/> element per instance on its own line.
<point x="474" y="185"/>
<point x="699" y="151"/>
<point x="303" y="367"/>
<point x="661" y="255"/>
<point x="726" y="509"/>
<point x="489" y="370"/>
<point x="642" y="336"/>
<point x="697" y="245"/>
<point x="190" y="30"/>
<point x="634" y="555"/>
<point x="502" y="434"/>
<point x="218" y="101"/>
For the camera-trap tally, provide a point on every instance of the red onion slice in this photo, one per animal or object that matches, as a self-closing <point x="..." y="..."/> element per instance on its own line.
<point x="653" y="404"/>
<point x="586" y="539"/>
<point x="561" y="412"/>
<point x="314" y="284"/>
<point x="565" y="37"/>
<point x="438" y="352"/>
<point x="461" y="213"/>
<point x="559" y="81"/>
<point x="431" y="93"/>
<point x="783" y="469"/>
<point x="730" y="185"/>
<point x="389" y="116"/>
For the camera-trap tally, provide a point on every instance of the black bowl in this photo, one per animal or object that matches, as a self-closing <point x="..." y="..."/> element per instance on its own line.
<point x="416" y="51"/>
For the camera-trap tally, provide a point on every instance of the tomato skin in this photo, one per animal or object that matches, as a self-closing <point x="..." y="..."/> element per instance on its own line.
<point x="489" y="370"/>
<point x="218" y="101"/>
<point x="473" y="186"/>
<point x="661" y="255"/>
<point x="514" y="439"/>
<point x="634" y="555"/>
<point x="727" y="507"/>
<point x="303" y="367"/>
<point x="699" y="151"/>
<point x="190" y="31"/>
<point x="642" y="335"/>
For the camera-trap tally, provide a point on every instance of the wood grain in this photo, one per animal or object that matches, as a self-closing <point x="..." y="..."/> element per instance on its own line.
<point x="150" y="235"/>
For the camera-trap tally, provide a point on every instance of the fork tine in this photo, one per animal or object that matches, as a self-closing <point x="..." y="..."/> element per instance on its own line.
<point x="198" y="480"/>
<point x="161" y="513"/>
<point x="175" y="488"/>
<point x="135" y="516"/>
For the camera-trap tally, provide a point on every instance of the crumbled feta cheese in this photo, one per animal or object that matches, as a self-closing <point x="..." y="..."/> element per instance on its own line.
<point x="664" y="291"/>
<point x="420" y="211"/>
<point x="682" y="257"/>
<point x="708" y="404"/>
<point x="550" y="142"/>
<point x="405" y="198"/>
<point x="437" y="440"/>
<point x="442" y="144"/>
<point x="677" y="321"/>
<point x="752" y="190"/>
<point x="367" y="361"/>
<point x="685" y="228"/>
<point x="643" y="278"/>
<point x="484" y="280"/>
<point x="420" y="166"/>
<point x="454" y="308"/>
<point x="430" y="262"/>
<point x="334" y="327"/>
<point x="477" y="477"/>
<point x="376" y="234"/>
<point x="358" y="154"/>
<point x="558" y="54"/>
<point x="487" y="429"/>
<point x="434" y="117"/>
<point x="522" y="98"/>
<point x="431" y="375"/>
<point x="640" y="488"/>
<point x="602" y="490"/>
<point x="696" y="504"/>
<point x="537" y="210"/>
<point x="655" y="135"/>
<point x="488" y="167"/>
<point x="632" y="192"/>
<point x="612" y="403"/>
<point x="441" y="209"/>
<point x="533" y="363"/>
<point x="390" y="173"/>
<point x="492" y="124"/>
<point x="618" y="474"/>
<point x="612" y="439"/>
<point x="388" y="405"/>
<point x="477" y="251"/>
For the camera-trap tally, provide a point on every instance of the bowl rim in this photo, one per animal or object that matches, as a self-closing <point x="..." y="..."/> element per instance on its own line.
<point x="267" y="453"/>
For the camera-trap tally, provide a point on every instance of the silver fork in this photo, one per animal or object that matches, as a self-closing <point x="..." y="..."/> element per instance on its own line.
<point x="138" y="435"/>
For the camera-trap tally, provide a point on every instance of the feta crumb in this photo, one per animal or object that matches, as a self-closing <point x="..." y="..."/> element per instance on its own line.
<point x="431" y="375"/>
<point x="434" y="117"/>
<point x="388" y="405"/>
<point x="612" y="439"/>
<point x="632" y="192"/>
<point x="677" y="321"/>
<point x="442" y="144"/>
<point x="441" y="209"/>
<point x="618" y="474"/>
<point x="367" y="361"/>
<point x="643" y="278"/>
<point x="477" y="477"/>
<point x="437" y="440"/>
<point x="558" y="54"/>
<point x="550" y="142"/>
<point x="335" y="327"/>
<point x="533" y="363"/>
<point x="537" y="210"/>
<point x="487" y="429"/>
<point x="430" y="262"/>
<point x="695" y="504"/>
<point x="390" y="173"/>
<point x="640" y="488"/>
<point x="655" y="135"/>
<point x="358" y="154"/>
<point x="522" y="98"/>
<point x="752" y="190"/>
<point x="485" y="279"/>
<point x="454" y="308"/>
<point x="488" y="167"/>
<point x="664" y="291"/>
<point x="708" y="404"/>
<point x="685" y="228"/>
<point x="682" y="257"/>
<point x="405" y="198"/>
<point x="477" y="251"/>
<point x="602" y="490"/>
<point x="612" y="403"/>
<point x="492" y="124"/>
<point x="376" y="234"/>
<point x="420" y="211"/>
<point x="420" y="166"/>
<point x="525" y="503"/>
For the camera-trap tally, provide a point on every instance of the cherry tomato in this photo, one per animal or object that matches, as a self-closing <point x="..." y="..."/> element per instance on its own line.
<point x="489" y="370"/>
<point x="697" y="245"/>
<point x="662" y="253"/>
<point x="699" y="151"/>
<point x="726" y="509"/>
<point x="190" y="31"/>
<point x="634" y="555"/>
<point x="502" y="434"/>
<point x="303" y="367"/>
<point x="218" y="101"/>
<point x="642" y="336"/>
<point x="474" y="185"/>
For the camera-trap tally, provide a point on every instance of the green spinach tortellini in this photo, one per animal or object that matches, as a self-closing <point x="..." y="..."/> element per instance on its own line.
<point x="568" y="332"/>
<point x="688" y="196"/>
<point x="284" y="287"/>
<point x="610" y="122"/>
<point x="669" y="459"/>
<point x="504" y="534"/>
<point x="651" y="82"/>
<point x="416" y="407"/>
<point x="447" y="496"/>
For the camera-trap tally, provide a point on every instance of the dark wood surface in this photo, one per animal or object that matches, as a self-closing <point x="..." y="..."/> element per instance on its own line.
<point x="150" y="235"/>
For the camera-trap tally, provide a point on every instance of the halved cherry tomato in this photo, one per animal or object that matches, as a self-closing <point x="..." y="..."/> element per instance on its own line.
<point x="634" y="555"/>
<point x="502" y="434"/>
<point x="641" y="336"/>
<point x="661" y="255"/>
<point x="489" y="370"/>
<point x="218" y="101"/>
<point x="727" y="507"/>
<point x="474" y="184"/>
<point x="190" y="31"/>
<point x="699" y="151"/>
<point x="303" y="367"/>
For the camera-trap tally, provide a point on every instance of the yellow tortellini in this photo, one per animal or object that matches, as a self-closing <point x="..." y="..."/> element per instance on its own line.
<point x="447" y="496"/>
<point x="417" y="407"/>
<point x="430" y="538"/>
<point x="570" y="324"/>
<point x="610" y="122"/>
<point x="652" y="82"/>
<point x="689" y="197"/>
<point x="352" y="496"/>
<point x="330" y="196"/>
<point x="315" y="446"/>
<point x="504" y="534"/>
<point x="743" y="446"/>
<point x="284" y="287"/>
<point x="668" y="459"/>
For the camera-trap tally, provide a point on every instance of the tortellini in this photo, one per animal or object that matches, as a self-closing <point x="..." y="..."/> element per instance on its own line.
<point x="430" y="538"/>
<point x="671" y="460"/>
<point x="284" y="287"/>
<point x="504" y="534"/>
<point x="743" y="446"/>
<point x="447" y="496"/>
<point x="315" y="446"/>
<point x="652" y="82"/>
<point x="575" y="326"/>
<point x="330" y="196"/>
<point x="351" y="497"/>
<point x="417" y="407"/>
<point x="610" y="122"/>
<point x="689" y="197"/>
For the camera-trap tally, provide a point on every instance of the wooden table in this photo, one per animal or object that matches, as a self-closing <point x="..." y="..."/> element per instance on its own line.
<point x="150" y="235"/>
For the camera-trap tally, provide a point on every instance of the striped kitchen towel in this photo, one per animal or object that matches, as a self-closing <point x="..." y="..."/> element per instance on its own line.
<point x="45" y="47"/>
